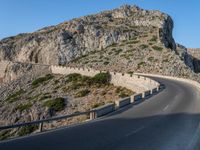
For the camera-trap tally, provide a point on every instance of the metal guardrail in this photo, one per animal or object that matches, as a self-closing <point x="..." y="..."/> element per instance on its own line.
<point x="40" y="122"/>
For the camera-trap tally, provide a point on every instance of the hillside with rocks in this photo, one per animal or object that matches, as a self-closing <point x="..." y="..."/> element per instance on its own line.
<point x="60" y="44"/>
<point x="137" y="40"/>
<point x="50" y="95"/>
<point x="127" y="40"/>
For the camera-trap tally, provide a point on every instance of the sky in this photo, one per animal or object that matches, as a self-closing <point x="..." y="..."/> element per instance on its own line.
<point x="21" y="16"/>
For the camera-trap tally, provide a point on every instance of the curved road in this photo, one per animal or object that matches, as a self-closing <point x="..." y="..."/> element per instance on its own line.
<point x="167" y="121"/>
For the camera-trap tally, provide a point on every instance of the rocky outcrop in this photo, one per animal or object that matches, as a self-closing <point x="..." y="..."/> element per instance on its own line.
<point x="69" y="40"/>
<point x="10" y="71"/>
<point x="185" y="56"/>
<point x="194" y="55"/>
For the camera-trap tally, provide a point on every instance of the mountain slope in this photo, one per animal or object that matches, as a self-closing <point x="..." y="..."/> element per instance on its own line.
<point x="62" y="43"/>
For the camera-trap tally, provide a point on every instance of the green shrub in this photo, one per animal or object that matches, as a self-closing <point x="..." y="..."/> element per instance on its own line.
<point x="98" y="105"/>
<point x="22" y="107"/>
<point x="104" y="92"/>
<point x="141" y="63"/>
<point x="15" y="96"/>
<point x="165" y="60"/>
<point x="113" y="49"/>
<point x="101" y="78"/>
<point x="34" y="97"/>
<point x="123" y="92"/>
<point x="74" y="77"/>
<point x="134" y="38"/>
<point x="27" y="130"/>
<point x="109" y="53"/>
<point x="130" y="72"/>
<point x="123" y="95"/>
<point x="118" y="89"/>
<point x="150" y="58"/>
<point x="76" y="86"/>
<point x="118" y="51"/>
<point x="106" y="62"/>
<point x="57" y="104"/>
<point x="82" y="93"/>
<point x="145" y="35"/>
<point x="56" y="81"/>
<point x="153" y="39"/>
<point x="42" y="79"/>
<point x="132" y="42"/>
<point x="113" y="45"/>
<point x="143" y="46"/>
<point x="157" y="48"/>
<point x="5" y="134"/>
<point x="45" y="97"/>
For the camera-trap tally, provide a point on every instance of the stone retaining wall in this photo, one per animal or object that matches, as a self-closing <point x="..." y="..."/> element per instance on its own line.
<point x="195" y="83"/>
<point x="135" y="83"/>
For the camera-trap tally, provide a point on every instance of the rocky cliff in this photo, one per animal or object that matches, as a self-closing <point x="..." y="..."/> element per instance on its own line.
<point x="67" y="41"/>
<point x="194" y="54"/>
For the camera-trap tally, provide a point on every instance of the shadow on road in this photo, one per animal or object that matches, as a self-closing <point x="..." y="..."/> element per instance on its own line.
<point x="177" y="131"/>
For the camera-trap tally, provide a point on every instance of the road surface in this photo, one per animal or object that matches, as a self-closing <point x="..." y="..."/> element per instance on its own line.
<point x="167" y="121"/>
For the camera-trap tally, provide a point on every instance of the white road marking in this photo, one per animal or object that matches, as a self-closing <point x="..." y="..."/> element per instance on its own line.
<point x="135" y="131"/>
<point x="166" y="107"/>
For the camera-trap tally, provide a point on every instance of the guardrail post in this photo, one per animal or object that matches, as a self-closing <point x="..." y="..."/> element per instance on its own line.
<point x="92" y="115"/>
<point x="40" y="127"/>
<point x="132" y="98"/>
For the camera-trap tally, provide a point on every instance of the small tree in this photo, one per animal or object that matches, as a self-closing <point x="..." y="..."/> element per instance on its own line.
<point x="102" y="78"/>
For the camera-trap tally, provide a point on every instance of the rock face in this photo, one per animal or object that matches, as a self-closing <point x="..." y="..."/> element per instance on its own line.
<point x="194" y="55"/>
<point x="67" y="41"/>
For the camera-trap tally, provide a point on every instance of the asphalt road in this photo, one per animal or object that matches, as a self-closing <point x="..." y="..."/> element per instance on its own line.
<point x="167" y="121"/>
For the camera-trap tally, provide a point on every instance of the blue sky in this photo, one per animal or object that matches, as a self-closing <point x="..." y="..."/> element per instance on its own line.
<point x="19" y="16"/>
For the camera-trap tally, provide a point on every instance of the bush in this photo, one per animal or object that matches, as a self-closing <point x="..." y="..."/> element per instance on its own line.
<point x="113" y="45"/>
<point x="118" y="51"/>
<point x="150" y="58"/>
<point x="56" y="81"/>
<point x="57" y="104"/>
<point x="130" y="72"/>
<point x="34" y="97"/>
<point x="74" y="77"/>
<point x="15" y="96"/>
<point x="5" y="134"/>
<point x="101" y="78"/>
<point x="118" y="89"/>
<point x="109" y="53"/>
<point x="153" y="39"/>
<point x="98" y="105"/>
<point x="123" y="95"/>
<point x="157" y="48"/>
<point x="165" y="60"/>
<point x="79" y="81"/>
<point x="45" y="97"/>
<point x="27" y="130"/>
<point x="106" y="62"/>
<point x="132" y="42"/>
<point x="22" y="107"/>
<point x="143" y="46"/>
<point x="42" y="79"/>
<point x="82" y="93"/>
<point x="141" y="63"/>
